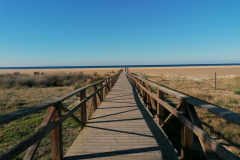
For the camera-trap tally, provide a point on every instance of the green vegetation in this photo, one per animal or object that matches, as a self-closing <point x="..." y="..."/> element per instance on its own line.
<point x="41" y="80"/>
<point x="18" y="94"/>
<point x="226" y="96"/>
<point x="237" y="92"/>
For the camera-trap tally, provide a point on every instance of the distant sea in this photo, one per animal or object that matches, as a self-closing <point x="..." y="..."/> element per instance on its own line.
<point x="121" y="66"/>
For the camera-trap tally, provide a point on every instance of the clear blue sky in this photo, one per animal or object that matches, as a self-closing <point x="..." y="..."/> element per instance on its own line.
<point x="115" y="32"/>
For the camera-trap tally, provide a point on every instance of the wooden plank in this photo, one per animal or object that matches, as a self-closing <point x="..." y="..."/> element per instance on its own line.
<point x="108" y="84"/>
<point x="210" y="155"/>
<point x="160" y="108"/>
<point x="215" y="146"/>
<point x="83" y="108"/>
<point x="216" y="110"/>
<point x="101" y="92"/>
<point x="72" y="116"/>
<point x="149" y="99"/>
<point x="98" y="94"/>
<point x="145" y="94"/>
<point x="94" y="98"/>
<point x="169" y="118"/>
<point x="121" y="128"/>
<point x="30" y="110"/>
<point x="112" y="81"/>
<point x="32" y="150"/>
<point x="105" y="89"/>
<point x="186" y="138"/>
<point x="56" y="136"/>
<point x="22" y="146"/>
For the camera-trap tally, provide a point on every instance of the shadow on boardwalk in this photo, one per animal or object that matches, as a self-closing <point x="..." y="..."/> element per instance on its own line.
<point x="122" y="128"/>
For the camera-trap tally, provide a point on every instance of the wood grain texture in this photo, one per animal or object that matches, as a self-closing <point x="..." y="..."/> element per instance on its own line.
<point x="186" y="137"/>
<point x="32" y="150"/>
<point x="27" y="111"/>
<point x="210" y="155"/>
<point x="83" y="108"/>
<point x="56" y="136"/>
<point x="215" y="146"/>
<point x="122" y="128"/>
<point x="94" y="98"/>
<point x="160" y="108"/>
<point x="216" y="110"/>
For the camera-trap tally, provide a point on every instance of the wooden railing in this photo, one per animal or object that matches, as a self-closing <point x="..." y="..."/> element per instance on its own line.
<point x="190" y="122"/>
<point x="54" y="118"/>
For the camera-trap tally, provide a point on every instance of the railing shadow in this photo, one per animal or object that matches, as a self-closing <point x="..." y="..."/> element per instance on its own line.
<point x="155" y="132"/>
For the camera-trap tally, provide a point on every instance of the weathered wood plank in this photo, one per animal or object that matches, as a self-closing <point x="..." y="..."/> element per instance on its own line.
<point x="216" y="110"/>
<point x="160" y="108"/>
<point x="169" y="118"/>
<point x="215" y="146"/>
<point x="186" y="138"/>
<point x="32" y="150"/>
<point x="210" y="155"/>
<point x="101" y="92"/>
<point x="22" y="146"/>
<point x="27" y="111"/>
<point x="94" y="98"/>
<point x="83" y="108"/>
<point x="56" y="136"/>
<point x="72" y="116"/>
<point x="122" y="127"/>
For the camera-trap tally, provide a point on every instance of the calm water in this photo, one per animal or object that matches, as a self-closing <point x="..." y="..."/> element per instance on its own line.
<point x="121" y="66"/>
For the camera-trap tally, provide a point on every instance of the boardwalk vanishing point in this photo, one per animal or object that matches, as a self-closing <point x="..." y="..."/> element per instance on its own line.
<point x="126" y="125"/>
<point x="122" y="128"/>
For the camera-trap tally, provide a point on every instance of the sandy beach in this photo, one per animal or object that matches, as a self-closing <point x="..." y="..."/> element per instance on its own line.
<point x="190" y="71"/>
<point x="184" y="71"/>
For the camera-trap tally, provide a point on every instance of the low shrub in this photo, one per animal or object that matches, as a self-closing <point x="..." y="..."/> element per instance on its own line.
<point x="107" y="74"/>
<point x="42" y="80"/>
<point x="237" y="92"/>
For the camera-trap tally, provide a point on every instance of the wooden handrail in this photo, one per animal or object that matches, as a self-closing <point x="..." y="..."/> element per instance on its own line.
<point x="189" y="119"/>
<point x="24" y="112"/>
<point x="216" y="110"/>
<point x="53" y="115"/>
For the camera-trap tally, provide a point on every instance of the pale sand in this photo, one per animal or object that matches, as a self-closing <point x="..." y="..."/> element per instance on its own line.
<point x="190" y="71"/>
<point x="184" y="71"/>
<point x="60" y="71"/>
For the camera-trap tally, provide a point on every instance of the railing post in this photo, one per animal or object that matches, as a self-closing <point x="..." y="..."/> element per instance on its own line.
<point x="141" y="90"/>
<point x="109" y="85"/>
<point x="160" y="108"/>
<point x="105" y="88"/>
<point x="148" y="98"/>
<point x="94" y="98"/>
<point x="142" y="93"/>
<point x="83" y="108"/>
<point x="112" y="82"/>
<point x="138" y="86"/>
<point x="145" y="93"/>
<point x="101" y="91"/>
<point x="56" y="137"/>
<point x="186" y="137"/>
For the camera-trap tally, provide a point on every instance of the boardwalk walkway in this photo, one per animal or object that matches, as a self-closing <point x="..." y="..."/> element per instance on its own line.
<point x="121" y="128"/>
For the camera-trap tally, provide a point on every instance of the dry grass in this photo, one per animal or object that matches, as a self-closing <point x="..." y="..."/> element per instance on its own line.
<point x="42" y="80"/>
<point x="18" y="97"/>
<point x="203" y="88"/>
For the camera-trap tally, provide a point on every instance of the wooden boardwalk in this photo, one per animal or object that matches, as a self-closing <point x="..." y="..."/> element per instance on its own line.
<point x="122" y="128"/>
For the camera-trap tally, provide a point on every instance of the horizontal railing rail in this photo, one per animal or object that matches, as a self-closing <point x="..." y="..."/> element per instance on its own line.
<point x="52" y="122"/>
<point x="190" y="122"/>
